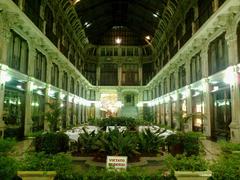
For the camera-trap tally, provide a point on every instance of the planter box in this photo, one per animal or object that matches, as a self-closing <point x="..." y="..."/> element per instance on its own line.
<point x="37" y="175"/>
<point x="236" y="152"/>
<point x="190" y="175"/>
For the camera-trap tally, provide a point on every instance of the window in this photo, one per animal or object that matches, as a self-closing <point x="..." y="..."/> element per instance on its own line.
<point x="147" y="72"/>
<point x="160" y="89"/>
<point x="102" y="51"/>
<point x="165" y="86"/>
<point x="40" y="66"/>
<point x="145" y="95"/>
<point x="130" y="74"/>
<point x="49" y="26"/>
<point x="54" y="75"/>
<point x="77" y="89"/>
<point x="182" y="76"/>
<point x="238" y="39"/>
<point x="32" y="10"/>
<point x="136" y="52"/>
<point x="72" y="85"/>
<point x="38" y="107"/>
<point x="156" y="92"/>
<point x="90" y="72"/>
<point x="19" y="55"/>
<point x="72" y="56"/>
<point x="123" y="52"/>
<point x="196" y="68"/>
<point x="109" y="51"/>
<point x="115" y="51"/>
<point x="218" y="55"/>
<point x="65" y="81"/>
<point x="172" y="82"/>
<point x="205" y="10"/>
<point x="129" y="51"/>
<point x="109" y="74"/>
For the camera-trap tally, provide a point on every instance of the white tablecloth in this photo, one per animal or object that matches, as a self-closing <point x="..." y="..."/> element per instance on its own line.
<point x="120" y="128"/>
<point x="73" y="134"/>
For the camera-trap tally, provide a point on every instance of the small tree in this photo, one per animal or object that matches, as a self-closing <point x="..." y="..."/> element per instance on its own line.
<point x="53" y="116"/>
<point x="182" y="118"/>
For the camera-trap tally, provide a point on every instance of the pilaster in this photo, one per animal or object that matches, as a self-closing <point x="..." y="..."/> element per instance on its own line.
<point x="2" y="90"/>
<point x="234" y="87"/>
<point x="47" y="100"/>
<point x="207" y="98"/>
<point x="28" y="114"/>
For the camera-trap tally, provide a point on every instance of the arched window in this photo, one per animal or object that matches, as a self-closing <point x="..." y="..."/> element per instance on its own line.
<point x="238" y="41"/>
<point x="19" y="54"/>
<point x="55" y="75"/>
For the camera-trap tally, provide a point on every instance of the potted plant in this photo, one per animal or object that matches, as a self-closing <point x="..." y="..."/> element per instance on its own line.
<point x="41" y="166"/>
<point x="53" y="116"/>
<point x="183" y="118"/>
<point x="188" y="168"/>
<point x="149" y="142"/>
<point x="174" y="143"/>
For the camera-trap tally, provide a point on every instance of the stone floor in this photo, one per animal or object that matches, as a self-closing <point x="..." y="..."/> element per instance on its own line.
<point x="212" y="150"/>
<point x="21" y="147"/>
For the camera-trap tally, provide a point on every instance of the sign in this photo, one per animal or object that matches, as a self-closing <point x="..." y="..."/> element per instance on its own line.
<point x="117" y="162"/>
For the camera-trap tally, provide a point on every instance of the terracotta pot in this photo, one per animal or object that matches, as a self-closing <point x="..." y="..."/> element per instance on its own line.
<point x="37" y="175"/>
<point x="175" y="149"/>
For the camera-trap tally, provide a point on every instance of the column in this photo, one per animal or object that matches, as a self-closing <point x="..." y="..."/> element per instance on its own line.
<point x="97" y="108"/>
<point x="140" y="107"/>
<point x="47" y="99"/>
<point x="2" y="89"/>
<point x="140" y="74"/>
<point x="189" y="93"/>
<point x="119" y="74"/>
<point x="207" y="98"/>
<point x="234" y="87"/>
<point x="98" y="71"/>
<point x="68" y="102"/>
<point x="28" y="107"/>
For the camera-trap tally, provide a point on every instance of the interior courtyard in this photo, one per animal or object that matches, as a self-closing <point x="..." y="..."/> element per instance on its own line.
<point x="159" y="77"/>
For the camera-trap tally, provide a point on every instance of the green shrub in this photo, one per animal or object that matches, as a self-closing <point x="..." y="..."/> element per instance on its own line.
<point x="6" y="145"/>
<point x="130" y="174"/>
<point x="228" y="147"/>
<point x="149" y="142"/>
<point x="8" y="165"/>
<point x="52" y="143"/>
<point x="61" y="163"/>
<point x="8" y="168"/>
<point x="191" y="143"/>
<point x="184" y="163"/>
<point x="87" y="142"/>
<point x="226" y="167"/>
<point x="118" y="143"/>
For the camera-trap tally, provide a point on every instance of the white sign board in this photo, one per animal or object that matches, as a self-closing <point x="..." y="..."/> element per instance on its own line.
<point x="117" y="162"/>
